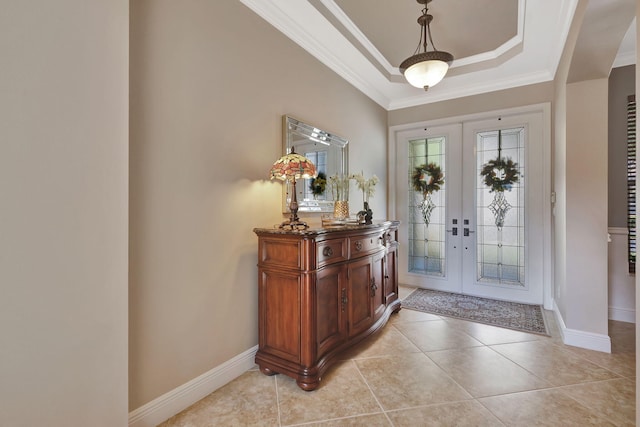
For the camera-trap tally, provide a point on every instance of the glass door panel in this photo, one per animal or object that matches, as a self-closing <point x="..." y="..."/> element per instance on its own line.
<point x="500" y="206"/>
<point x="427" y="249"/>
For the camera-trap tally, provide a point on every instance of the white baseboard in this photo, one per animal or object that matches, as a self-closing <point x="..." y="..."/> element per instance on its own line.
<point x="180" y="398"/>
<point x="621" y="283"/>
<point x="583" y="339"/>
<point x="622" y="314"/>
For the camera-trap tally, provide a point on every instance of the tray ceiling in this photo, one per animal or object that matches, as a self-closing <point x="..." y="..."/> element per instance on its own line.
<point x="497" y="44"/>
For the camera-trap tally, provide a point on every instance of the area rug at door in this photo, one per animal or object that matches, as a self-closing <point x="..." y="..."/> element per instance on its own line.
<point x="505" y="314"/>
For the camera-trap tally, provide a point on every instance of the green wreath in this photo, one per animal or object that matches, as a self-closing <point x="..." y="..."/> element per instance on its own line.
<point x="427" y="178"/>
<point x="318" y="184"/>
<point x="500" y="174"/>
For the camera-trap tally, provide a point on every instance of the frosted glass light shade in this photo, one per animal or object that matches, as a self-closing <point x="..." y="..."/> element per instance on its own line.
<point x="426" y="74"/>
<point x="426" y="69"/>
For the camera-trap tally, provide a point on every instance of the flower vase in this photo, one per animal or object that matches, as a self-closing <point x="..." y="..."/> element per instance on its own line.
<point x="341" y="209"/>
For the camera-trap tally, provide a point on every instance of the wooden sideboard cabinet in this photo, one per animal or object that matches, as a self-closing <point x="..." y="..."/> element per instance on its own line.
<point x="320" y="292"/>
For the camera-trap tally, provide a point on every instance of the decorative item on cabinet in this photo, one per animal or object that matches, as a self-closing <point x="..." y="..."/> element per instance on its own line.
<point x="290" y="167"/>
<point x="368" y="188"/>
<point x="321" y="291"/>
<point x="340" y="193"/>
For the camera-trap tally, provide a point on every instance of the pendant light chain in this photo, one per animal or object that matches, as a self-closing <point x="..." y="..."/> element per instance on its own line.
<point x="428" y="29"/>
<point x="423" y="30"/>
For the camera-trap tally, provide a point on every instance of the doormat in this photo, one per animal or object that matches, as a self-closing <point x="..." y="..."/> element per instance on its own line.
<point x="504" y="314"/>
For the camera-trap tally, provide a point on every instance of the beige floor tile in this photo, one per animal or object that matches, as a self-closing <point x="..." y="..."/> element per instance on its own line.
<point x="553" y="363"/>
<point x="377" y="420"/>
<point x="623" y="364"/>
<point x="407" y="315"/>
<point x="490" y="335"/>
<point x="436" y="335"/>
<point x="483" y="372"/>
<point x="249" y="400"/>
<point x="613" y="399"/>
<point x="542" y="408"/>
<point x="389" y="371"/>
<point x="409" y="380"/>
<point x="389" y="341"/>
<point x="623" y="337"/>
<point x="459" y="414"/>
<point x="342" y="393"/>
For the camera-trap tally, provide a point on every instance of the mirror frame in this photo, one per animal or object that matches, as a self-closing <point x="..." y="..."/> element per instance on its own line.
<point x="294" y="129"/>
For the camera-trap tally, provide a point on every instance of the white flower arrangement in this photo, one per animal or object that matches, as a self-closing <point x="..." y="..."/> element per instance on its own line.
<point x="339" y="185"/>
<point x="367" y="186"/>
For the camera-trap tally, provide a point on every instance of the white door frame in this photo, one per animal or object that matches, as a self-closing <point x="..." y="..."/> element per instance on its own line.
<point x="545" y="109"/>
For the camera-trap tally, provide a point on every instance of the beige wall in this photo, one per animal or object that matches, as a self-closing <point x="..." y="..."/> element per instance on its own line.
<point x="581" y="175"/>
<point x="586" y="207"/>
<point x="559" y="222"/>
<point x="63" y="213"/>
<point x="209" y="84"/>
<point x="621" y="85"/>
<point x="516" y="97"/>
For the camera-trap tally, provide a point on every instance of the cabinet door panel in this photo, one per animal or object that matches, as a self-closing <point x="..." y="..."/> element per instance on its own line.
<point x="280" y="314"/>
<point x="377" y="285"/>
<point x="331" y="312"/>
<point x="391" y="274"/>
<point x="359" y="294"/>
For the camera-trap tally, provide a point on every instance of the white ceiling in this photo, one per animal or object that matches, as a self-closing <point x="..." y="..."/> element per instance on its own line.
<point x="497" y="44"/>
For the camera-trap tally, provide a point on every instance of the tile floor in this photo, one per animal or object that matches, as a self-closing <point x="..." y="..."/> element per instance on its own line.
<point x="427" y="370"/>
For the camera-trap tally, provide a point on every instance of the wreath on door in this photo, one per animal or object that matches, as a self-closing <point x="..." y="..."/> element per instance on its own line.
<point x="427" y="179"/>
<point x="500" y="174"/>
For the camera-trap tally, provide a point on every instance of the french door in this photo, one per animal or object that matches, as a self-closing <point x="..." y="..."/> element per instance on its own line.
<point x="470" y="199"/>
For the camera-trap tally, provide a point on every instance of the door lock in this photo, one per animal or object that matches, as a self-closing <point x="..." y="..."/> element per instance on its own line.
<point x="454" y="230"/>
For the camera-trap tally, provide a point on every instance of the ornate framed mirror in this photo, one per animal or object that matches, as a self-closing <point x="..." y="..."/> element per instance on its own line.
<point x="328" y="152"/>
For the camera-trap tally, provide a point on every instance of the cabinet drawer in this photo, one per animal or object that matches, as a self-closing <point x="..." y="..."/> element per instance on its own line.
<point x="331" y="251"/>
<point x="364" y="245"/>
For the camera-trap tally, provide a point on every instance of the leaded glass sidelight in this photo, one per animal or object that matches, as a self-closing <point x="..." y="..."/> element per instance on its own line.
<point x="427" y="212"/>
<point x="500" y="195"/>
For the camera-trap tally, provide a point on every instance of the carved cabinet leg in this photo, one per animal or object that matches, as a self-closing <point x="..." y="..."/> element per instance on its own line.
<point x="308" y="385"/>
<point x="267" y="371"/>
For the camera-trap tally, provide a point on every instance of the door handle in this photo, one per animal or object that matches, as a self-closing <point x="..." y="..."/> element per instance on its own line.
<point x="467" y="231"/>
<point x="453" y="231"/>
<point x="374" y="287"/>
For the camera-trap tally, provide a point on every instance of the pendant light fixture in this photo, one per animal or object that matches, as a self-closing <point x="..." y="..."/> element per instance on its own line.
<point x="425" y="69"/>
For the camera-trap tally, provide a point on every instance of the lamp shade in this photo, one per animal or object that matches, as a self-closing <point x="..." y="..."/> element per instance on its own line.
<point x="425" y="70"/>
<point x="293" y="166"/>
<point x="290" y="167"/>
